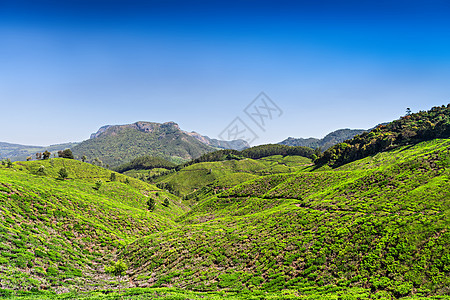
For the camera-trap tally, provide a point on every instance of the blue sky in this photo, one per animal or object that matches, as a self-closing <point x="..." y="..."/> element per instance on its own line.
<point x="69" y="67"/>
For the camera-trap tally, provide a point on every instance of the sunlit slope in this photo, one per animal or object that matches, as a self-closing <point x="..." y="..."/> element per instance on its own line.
<point x="229" y="172"/>
<point x="59" y="234"/>
<point x="381" y="223"/>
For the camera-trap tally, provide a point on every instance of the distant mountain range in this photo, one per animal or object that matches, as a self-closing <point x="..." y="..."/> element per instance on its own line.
<point x="328" y="141"/>
<point x="20" y="152"/>
<point x="114" y="145"/>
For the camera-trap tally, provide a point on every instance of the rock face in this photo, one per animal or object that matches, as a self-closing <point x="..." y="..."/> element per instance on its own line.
<point x="329" y="140"/>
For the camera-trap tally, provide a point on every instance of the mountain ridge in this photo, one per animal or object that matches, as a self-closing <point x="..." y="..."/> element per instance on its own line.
<point x="329" y="140"/>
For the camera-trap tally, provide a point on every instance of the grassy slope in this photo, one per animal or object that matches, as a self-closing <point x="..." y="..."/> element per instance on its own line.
<point x="58" y="234"/>
<point x="381" y="223"/>
<point x="223" y="174"/>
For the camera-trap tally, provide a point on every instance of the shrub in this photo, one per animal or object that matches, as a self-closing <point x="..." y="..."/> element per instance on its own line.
<point x="63" y="174"/>
<point x="166" y="202"/>
<point x="151" y="204"/>
<point x="117" y="269"/>
<point x="41" y="170"/>
<point x="46" y="155"/>
<point x="98" y="185"/>
<point x="66" y="154"/>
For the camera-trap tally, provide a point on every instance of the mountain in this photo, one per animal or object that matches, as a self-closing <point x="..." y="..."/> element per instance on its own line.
<point x="329" y="140"/>
<point x="118" y="144"/>
<point x="235" y="144"/>
<point x="21" y="152"/>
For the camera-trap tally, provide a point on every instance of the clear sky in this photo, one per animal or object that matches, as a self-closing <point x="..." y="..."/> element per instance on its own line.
<point x="69" y="67"/>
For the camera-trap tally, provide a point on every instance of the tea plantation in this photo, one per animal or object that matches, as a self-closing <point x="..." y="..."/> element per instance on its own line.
<point x="375" y="228"/>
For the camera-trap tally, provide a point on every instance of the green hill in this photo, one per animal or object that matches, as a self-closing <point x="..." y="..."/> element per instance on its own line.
<point x="59" y="234"/>
<point x="201" y="179"/>
<point x="381" y="224"/>
<point x="408" y="130"/>
<point x="116" y="145"/>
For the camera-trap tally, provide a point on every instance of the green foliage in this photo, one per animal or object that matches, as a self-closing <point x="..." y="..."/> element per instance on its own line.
<point x="118" y="268"/>
<point x="41" y="170"/>
<point x="113" y="177"/>
<point x="146" y="163"/>
<point x="276" y="149"/>
<point x="253" y="152"/>
<point x="66" y="154"/>
<point x="63" y="173"/>
<point x="98" y="184"/>
<point x="9" y="164"/>
<point x="166" y="202"/>
<point x="151" y="203"/>
<point x="46" y="154"/>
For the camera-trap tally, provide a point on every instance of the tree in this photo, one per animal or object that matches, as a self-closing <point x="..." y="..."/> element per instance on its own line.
<point x="98" y="184"/>
<point x="151" y="204"/>
<point x="46" y="155"/>
<point x="63" y="174"/>
<point x="117" y="269"/>
<point x="41" y="170"/>
<point x="38" y="155"/>
<point x="113" y="176"/>
<point x="408" y="111"/>
<point x="83" y="158"/>
<point x="97" y="162"/>
<point x="9" y="163"/>
<point x="66" y="154"/>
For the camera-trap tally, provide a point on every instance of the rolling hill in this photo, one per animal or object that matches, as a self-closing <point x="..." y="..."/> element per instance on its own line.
<point x="381" y="224"/>
<point x="59" y="234"/>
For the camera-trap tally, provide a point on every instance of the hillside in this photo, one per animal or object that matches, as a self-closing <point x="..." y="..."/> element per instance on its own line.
<point x="380" y="224"/>
<point x="408" y="130"/>
<point x="115" y="145"/>
<point x="201" y="179"/>
<point x="331" y="139"/>
<point x="59" y="234"/>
